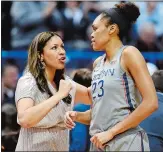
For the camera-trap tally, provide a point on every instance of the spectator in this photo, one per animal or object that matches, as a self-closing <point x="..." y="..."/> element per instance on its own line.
<point x="151" y="12"/>
<point x="10" y="128"/>
<point x="10" y="74"/>
<point x="31" y="18"/>
<point x="153" y="124"/>
<point x="79" y="136"/>
<point x="75" y="25"/>
<point x="159" y="63"/>
<point x="91" y="9"/>
<point x="148" y="40"/>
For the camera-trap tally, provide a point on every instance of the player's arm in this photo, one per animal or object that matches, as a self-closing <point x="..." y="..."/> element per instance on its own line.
<point x="83" y="94"/>
<point x="133" y="62"/>
<point x="72" y="116"/>
<point x="84" y="117"/>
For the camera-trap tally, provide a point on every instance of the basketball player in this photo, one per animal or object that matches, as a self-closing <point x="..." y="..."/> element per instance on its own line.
<point x="119" y="77"/>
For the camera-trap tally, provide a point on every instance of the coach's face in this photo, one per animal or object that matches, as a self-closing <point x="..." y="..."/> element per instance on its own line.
<point x="54" y="54"/>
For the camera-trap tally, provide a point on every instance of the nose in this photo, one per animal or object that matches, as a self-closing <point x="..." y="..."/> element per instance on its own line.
<point x="62" y="51"/>
<point x="92" y="36"/>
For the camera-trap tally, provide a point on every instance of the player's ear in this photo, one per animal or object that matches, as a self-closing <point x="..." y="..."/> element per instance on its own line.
<point x="112" y="28"/>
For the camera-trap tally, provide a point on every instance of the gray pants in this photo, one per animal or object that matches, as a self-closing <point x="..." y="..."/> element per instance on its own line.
<point x="127" y="142"/>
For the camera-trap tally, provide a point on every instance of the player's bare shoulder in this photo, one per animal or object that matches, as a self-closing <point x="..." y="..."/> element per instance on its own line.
<point x="130" y="51"/>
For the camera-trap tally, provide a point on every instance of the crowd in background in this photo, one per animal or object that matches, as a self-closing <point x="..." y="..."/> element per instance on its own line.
<point x="21" y="21"/>
<point x="10" y="128"/>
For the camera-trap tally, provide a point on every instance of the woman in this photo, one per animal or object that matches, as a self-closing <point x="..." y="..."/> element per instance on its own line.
<point x="44" y="94"/>
<point x="116" y="113"/>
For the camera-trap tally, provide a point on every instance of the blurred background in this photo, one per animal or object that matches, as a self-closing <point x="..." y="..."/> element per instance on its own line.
<point x="21" y="21"/>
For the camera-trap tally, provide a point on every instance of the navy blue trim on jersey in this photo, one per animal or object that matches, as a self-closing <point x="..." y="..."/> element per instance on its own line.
<point x="128" y="92"/>
<point x="142" y="145"/>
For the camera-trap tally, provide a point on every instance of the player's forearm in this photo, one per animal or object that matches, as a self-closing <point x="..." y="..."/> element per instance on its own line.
<point x="135" y="118"/>
<point x="84" y="117"/>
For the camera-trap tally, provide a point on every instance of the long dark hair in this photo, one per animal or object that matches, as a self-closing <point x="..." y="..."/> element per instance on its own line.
<point x="35" y="66"/>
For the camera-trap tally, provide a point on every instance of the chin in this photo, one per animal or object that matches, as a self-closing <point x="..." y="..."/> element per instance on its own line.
<point x="96" y="49"/>
<point x="61" y="67"/>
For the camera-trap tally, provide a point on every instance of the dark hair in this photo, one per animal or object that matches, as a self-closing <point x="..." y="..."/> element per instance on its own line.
<point x="157" y="78"/>
<point x="35" y="66"/>
<point x="83" y="77"/>
<point x="124" y="15"/>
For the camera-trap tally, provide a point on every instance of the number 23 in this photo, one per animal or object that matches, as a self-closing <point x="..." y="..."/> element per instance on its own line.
<point x="99" y="84"/>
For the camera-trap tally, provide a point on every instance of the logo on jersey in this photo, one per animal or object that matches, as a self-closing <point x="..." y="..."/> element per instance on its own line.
<point x="103" y="73"/>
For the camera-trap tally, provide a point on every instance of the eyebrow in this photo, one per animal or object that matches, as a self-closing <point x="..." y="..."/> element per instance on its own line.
<point x="57" y="44"/>
<point x="94" y="27"/>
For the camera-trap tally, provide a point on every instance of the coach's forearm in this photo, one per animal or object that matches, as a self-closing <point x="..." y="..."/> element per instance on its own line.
<point x="84" y="117"/>
<point x="33" y="115"/>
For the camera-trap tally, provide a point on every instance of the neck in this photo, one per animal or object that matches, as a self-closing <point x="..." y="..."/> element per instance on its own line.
<point x="112" y="47"/>
<point x="50" y="73"/>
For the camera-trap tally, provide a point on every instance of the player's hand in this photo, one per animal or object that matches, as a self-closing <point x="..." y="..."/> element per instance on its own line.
<point x="69" y="119"/>
<point x="100" y="139"/>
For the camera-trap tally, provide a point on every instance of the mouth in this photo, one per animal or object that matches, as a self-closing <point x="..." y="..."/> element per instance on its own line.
<point x="62" y="59"/>
<point x="92" y="42"/>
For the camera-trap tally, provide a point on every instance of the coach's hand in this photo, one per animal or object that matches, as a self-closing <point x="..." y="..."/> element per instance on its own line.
<point x="69" y="119"/>
<point x="100" y="139"/>
<point x="64" y="88"/>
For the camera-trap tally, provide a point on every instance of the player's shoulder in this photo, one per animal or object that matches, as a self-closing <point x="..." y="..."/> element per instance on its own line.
<point x="97" y="61"/>
<point x="131" y="53"/>
<point x="129" y="50"/>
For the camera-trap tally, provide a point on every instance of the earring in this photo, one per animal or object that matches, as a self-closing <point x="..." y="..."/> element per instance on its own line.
<point x="43" y="64"/>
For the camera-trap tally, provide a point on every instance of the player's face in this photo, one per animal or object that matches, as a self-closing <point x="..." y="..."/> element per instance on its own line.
<point x="100" y="36"/>
<point x="54" y="54"/>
